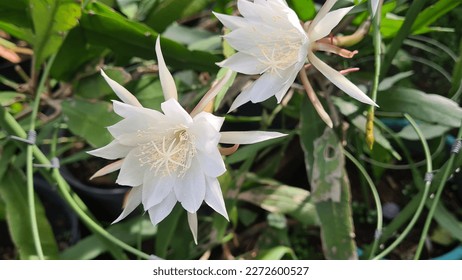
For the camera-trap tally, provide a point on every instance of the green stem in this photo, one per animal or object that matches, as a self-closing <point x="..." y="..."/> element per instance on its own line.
<point x="14" y="126"/>
<point x="424" y="195"/>
<point x="376" y="196"/>
<point x="403" y="32"/>
<point x="431" y="213"/>
<point x="30" y="159"/>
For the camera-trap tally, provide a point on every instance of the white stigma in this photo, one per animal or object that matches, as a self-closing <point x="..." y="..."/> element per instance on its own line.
<point x="168" y="153"/>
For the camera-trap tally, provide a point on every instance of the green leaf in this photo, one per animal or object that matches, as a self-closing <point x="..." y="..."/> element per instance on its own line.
<point x="92" y="246"/>
<point x="73" y="55"/>
<point x="106" y="28"/>
<point x="304" y="8"/>
<point x="148" y="91"/>
<point x="448" y="221"/>
<point x="433" y="13"/>
<point x="276" y="253"/>
<point x="432" y="108"/>
<point x="15" y="19"/>
<point x="89" y="120"/>
<point x="168" y="11"/>
<point x="52" y="19"/>
<point x="330" y="188"/>
<point x="278" y="198"/>
<point x="166" y="230"/>
<point x="429" y="131"/>
<point x="14" y="194"/>
<point x="95" y="86"/>
<point x="10" y="97"/>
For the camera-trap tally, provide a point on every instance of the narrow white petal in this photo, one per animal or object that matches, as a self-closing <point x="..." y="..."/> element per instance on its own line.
<point x="156" y="188"/>
<point x="108" y="169"/>
<point x="321" y="14"/>
<point x="133" y="199"/>
<point x="126" y="111"/>
<point x="113" y="150"/>
<point x="166" y="79"/>
<point x="121" y="92"/>
<point x="241" y="99"/>
<point x="131" y="173"/>
<point x="243" y="63"/>
<point x="214" y="197"/>
<point x="231" y="22"/>
<point x="192" y="222"/>
<point x="248" y="137"/>
<point x="175" y="113"/>
<point x="339" y="80"/>
<point x="190" y="190"/>
<point x="158" y="212"/>
<point x="327" y="23"/>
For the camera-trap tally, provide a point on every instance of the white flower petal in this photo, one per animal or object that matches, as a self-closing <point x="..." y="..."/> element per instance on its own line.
<point x="156" y="188"/>
<point x="244" y="63"/>
<point x="127" y="111"/>
<point x="175" y="113"/>
<point x="190" y="190"/>
<point x="211" y="163"/>
<point x="133" y="199"/>
<point x="325" y="8"/>
<point x="131" y="173"/>
<point x="214" y="197"/>
<point x="327" y="23"/>
<point x="121" y="92"/>
<point x="166" y="79"/>
<point x="158" y="212"/>
<point x="248" y="9"/>
<point x="108" y="169"/>
<point x="267" y="85"/>
<point x="231" y="22"/>
<point x="206" y="137"/>
<point x="248" y="137"/>
<point x="113" y="150"/>
<point x="339" y="80"/>
<point x="214" y="121"/>
<point x="192" y="222"/>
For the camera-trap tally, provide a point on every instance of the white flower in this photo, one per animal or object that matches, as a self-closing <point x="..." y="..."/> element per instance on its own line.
<point x="169" y="156"/>
<point x="271" y="41"/>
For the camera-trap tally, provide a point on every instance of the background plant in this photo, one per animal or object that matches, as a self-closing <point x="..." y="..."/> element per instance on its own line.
<point x="52" y="51"/>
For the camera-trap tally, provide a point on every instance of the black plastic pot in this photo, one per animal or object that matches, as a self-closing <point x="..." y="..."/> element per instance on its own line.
<point x="104" y="203"/>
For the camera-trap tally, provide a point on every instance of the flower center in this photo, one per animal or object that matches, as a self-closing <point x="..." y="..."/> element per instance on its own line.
<point x="168" y="154"/>
<point x="280" y="51"/>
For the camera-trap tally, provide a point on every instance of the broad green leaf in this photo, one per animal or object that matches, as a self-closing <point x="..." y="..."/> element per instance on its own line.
<point x="429" y="131"/>
<point x="73" y="55"/>
<point x="330" y="188"/>
<point x="168" y="11"/>
<point x="448" y="221"/>
<point x="15" y="19"/>
<point x="14" y="194"/>
<point x="89" y="120"/>
<point x="127" y="231"/>
<point x="431" y="108"/>
<point x="304" y="8"/>
<point x="148" y="91"/>
<point x="95" y="86"/>
<point x="276" y="253"/>
<point x="106" y="28"/>
<point x="433" y="13"/>
<point x="52" y="19"/>
<point x="283" y="199"/>
<point x="388" y="82"/>
<point x="9" y="97"/>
